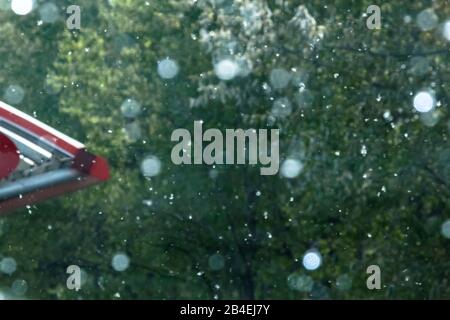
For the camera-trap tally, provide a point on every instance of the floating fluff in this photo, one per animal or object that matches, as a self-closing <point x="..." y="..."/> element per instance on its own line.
<point x="226" y="69"/>
<point x="151" y="166"/>
<point x="213" y="173"/>
<point x="429" y="119"/>
<point x="83" y="277"/>
<point x="8" y="265"/>
<point x="279" y="78"/>
<point x="363" y="150"/>
<point x="49" y="12"/>
<point x="419" y="66"/>
<point x="22" y="7"/>
<point x="344" y="282"/>
<point x="245" y="66"/>
<point x="424" y="101"/>
<point x="133" y="131"/>
<point x="407" y="19"/>
<point x="122" y="41"/>
<point x="291" y="168"/>
<point x="304" y="98"/>
<point x="292" y="281"/>
<point x="427" y="20"/>
<point x="251" y="15"/>
<point x="445" y="229"/>
<point x="281" y="108"/>
<point x="300" y="282"/>
<point x="388" y="116"/>
<point x="130" y="108"/>
<point x="19" y="287"/>
<point x="216" y="262"/>
<point x="14" y="94"/>
<point x="319" y="292"/>
<point x="168" y="68"/>
<point x="299" y="78"/>
<point x="312" y="260"/>
<point x="120" y="262"/>
<point x="446" y="30"/>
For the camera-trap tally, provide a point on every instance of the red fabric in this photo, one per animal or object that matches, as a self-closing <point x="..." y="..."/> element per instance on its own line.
<point x="9" y="156"/>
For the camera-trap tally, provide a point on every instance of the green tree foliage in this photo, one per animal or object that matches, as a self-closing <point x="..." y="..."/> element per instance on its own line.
<point x="373" y="190"/>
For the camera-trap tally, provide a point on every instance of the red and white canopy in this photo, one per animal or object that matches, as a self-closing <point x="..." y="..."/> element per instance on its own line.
<point x="38" y="162"/>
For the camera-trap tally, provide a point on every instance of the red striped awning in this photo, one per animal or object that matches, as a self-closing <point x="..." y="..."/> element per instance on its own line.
<point x="38" y="162"/>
